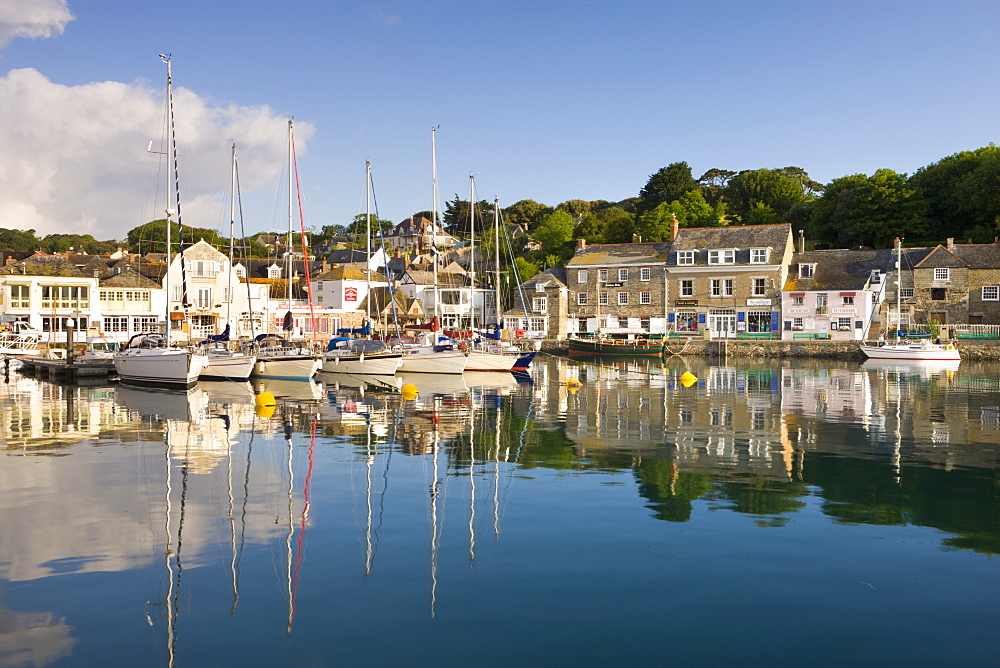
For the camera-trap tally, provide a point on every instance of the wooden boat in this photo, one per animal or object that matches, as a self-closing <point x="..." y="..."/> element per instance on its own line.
<point x="611" y="347"/>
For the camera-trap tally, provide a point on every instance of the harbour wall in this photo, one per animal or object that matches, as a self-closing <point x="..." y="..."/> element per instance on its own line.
<point x="841" y="350"/>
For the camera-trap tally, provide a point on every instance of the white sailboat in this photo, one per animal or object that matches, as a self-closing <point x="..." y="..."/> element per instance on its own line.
<point x="224" y="363"/>
<point x="922" y="350"/>
<point x="149" y="359"/>
<point x="276" y="357"/>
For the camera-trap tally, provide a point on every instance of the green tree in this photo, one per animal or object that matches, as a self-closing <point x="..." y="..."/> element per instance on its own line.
<point x="457" y="219"/>
<point x="358" y="225"/>
<point x="576" y="207"/>
<point x="713" y="183"/>
<point x="960" y="192"/>
<point x="655" y="225"/>
<point x="526" y="213"/>
<point x="590" y="228"/>
<point x="666" y="185"/>
<point x="870" y="211"/>
<point x="554" y="230"/>
<point x="693" y="211"/>
<point x="619" y="225"/>
<point x="22" y="241"/>
<point x="761" y="195"/>
<point x="525" y="269"/>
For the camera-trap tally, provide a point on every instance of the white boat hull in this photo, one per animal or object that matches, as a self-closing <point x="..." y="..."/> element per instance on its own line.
<point x="913" y="351"/>
<point x="173" y="367"/>
<point x="428" y="361"/>
<point x="233" y="367"/>
<point x="287" y="367"/>
<point x="361" y="365"/>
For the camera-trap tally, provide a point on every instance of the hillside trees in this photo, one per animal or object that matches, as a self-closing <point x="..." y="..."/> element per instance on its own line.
<point x="762" y="196"/>
<point x="961" y="194"/>
<point x="666" y="185"/>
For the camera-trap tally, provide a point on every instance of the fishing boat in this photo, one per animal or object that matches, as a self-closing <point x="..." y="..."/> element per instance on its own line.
<point x="604" y="346"/>
<point x="900" y="349"/>
<point x="150" y="359"/>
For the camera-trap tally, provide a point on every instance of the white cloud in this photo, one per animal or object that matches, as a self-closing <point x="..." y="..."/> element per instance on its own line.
<point x="73" y="158"/>
<point x="32" y="19"/>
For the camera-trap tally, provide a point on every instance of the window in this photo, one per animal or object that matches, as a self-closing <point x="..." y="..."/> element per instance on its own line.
<point x="623" y="299"/>
<point x="581" y="299"/>
<point x="758" y="256"/>
<point x="821" y="303"/>
<point x="539" y="304"/>
<point x="687" y="287"/>
<point x="226" y="297"/>
<point x="175" y="292"/>
<point x="204" y="298"/>
<point x="644" y="297"/>
<point x="942" y="274"/>
<point x="991" y="293"/>
<point x="797" y="301"/>
<point x="848" y="300"/>
<point x="938" y="294"/>
<point x="644" y="323"/>
<point x="204" y="268"/>
<point x="644" y="274"/>
<point x="241" y="271"/>
<point x="906" y="293"/>
<point x="622" y="322"/>
<point x="806" y="270"/>
<point x="146" y="323"/>
<point x="843" y="323"/>
<point x="581" y="276"/>
<point x="602" y="299"/>
<point x="796" y="323"/>
<point x="758" y="321"/>
<point x="722" y="287"/>
<point x="685" y="257"/>
<point x="274" y="271"/>
<point x="114" y="324"/>
<point x="539" y="287"/>
<point x="602" y="275"/>
<point x="536" y="325"/>
<point x="20" y="296"/>
<point x="65" y="297"/>
<point x="721" y="256"/>
<point x="686" y="322"/>
<point x="759" y="288"/>
<point x="622" y="275"/>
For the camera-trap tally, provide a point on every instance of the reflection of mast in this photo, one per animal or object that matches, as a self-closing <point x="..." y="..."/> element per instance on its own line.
<point x="291" y="530"/>
<point x="472" y="484"/>
<point x="435" y="529"/>
<point x="168" y="553"/>
<point x="305" y="513"/>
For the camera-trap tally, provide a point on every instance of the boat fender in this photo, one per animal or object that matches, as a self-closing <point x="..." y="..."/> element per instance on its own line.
<point x="519" y="333"/>
<point x="950" y="346"/>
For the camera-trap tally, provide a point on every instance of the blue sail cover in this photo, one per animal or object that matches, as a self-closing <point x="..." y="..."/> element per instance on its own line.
<point x="289" y="323"/>
<point x="360" y="331"/>
<point x="493" y="334"/>
<point x="220" y="337"/>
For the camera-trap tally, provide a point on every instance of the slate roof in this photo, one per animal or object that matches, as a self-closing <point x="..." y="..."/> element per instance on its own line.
<point x="445" y="279"/>
<point x="839" y="269"/>
<point x="41" y="264"/>
<point x="348" y="272"/>
<point x="129" y="278"/>
<point x="973" y="256"/>
<point x="620" y="254"/>
<point x="740" y="237"/>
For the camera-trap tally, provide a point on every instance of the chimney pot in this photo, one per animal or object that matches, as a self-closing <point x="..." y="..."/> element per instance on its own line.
<point x="951" y="242"/>
<point x="581" y="244"/>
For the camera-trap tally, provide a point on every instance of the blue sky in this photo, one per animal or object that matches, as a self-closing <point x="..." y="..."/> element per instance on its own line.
<point x="543" y="100"/>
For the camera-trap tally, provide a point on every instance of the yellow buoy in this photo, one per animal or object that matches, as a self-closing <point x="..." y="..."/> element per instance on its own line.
<point x="573" y="382"/>
<point x="409" y="391"/>
<point x="263" y="411"/>
<point x="688" y="379"/>
<point x="264" y="399"/>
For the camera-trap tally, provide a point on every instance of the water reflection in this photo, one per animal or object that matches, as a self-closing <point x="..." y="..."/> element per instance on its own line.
<point x="185" y="504"/>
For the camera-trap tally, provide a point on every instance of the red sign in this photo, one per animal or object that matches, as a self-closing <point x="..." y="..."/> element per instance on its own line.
<point x="351" y="294"/>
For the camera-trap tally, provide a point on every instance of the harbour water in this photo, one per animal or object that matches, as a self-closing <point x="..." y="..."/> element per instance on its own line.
<point x="780" y="511"/>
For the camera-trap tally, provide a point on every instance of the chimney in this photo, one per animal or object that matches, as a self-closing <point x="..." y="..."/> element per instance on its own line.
<point x="581" y="244"/>
<point x="636" y="239"/>
<point x="802" y="241"/>
<point x="674" y="226"/>
<point x="951" y="243"/>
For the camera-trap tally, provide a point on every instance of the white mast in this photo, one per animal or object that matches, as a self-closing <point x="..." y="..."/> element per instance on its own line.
<point x="173" y="139"/>
<point x="288" y="240"/>
<point x="232" y="225"/>
<point x="496" y="273"/>
<point x="472" y="249"/>
<point x="434" y="221"/>
<point x="368" y="235"/>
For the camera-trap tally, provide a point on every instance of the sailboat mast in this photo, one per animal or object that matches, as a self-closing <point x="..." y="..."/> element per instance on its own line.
<point x="496" y="273"/>
<point x="434" y="221"/>
<point x="368" y="237"/>
<point x="288" y="238"/>
<point x="177" y="204"/>
<point x="232" y="238"/>
<point x="472" y="248"/>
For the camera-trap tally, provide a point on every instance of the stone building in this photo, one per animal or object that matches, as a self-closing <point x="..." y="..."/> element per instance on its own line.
<point x="539" y="307"/>
<point x="727" y="280"/>
<point x="953" y="284"/>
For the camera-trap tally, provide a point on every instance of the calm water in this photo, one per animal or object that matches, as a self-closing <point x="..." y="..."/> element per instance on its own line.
<point x="770" y="512"/>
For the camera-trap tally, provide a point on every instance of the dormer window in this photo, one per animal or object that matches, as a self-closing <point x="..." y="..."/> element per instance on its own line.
<point x="274" y="271"/>
<point x="806" y="270"/>
<point x="685" y="257"/>
<point x="758" y="255"/>
<point x="241" y="271"/>
<point x="727" y="256"/>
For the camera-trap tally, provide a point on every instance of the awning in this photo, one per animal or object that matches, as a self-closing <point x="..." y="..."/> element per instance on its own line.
<point x="797" y="294"/>
<point x="847" y="294"/>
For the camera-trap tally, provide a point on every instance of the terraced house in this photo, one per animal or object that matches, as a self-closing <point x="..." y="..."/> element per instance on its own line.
<point x="617" y="289"/>
<point x="727" y="280"/>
